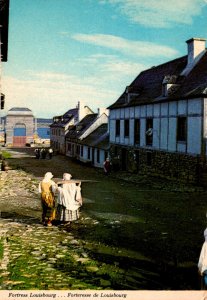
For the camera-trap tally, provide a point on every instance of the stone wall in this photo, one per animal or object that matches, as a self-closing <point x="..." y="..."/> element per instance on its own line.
<point x="169" y="165"/>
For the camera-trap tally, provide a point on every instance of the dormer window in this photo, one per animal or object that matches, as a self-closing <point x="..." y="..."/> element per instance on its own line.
<point x="165" y="86"/>
<point x="131" y="92"/>
<point x="169" y="85"/>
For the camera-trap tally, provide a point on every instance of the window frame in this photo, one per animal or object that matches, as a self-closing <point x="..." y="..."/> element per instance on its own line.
<point x="181" y="133"/>
<point x="137" y="131"/>
<point x="117" y="128"/>
<point x="149" y="125"/>
<point x="126" y="128"/>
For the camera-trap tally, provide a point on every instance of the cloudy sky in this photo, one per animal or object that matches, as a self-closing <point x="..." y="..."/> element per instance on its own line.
<point x="65" y="51"/>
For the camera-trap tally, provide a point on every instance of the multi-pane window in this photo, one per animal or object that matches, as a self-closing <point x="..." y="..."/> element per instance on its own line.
<point x="149" y="131"/>
<point x="126" y="128"/>
<point x="137" y="131"/>
<point x="181" y="129"/>
<point x="117" y="127"/>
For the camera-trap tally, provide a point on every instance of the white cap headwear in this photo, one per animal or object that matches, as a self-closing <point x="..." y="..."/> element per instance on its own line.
<point x="67" y="176"/>
<point x="205" y="234"/>
<point x="48" y="175"/>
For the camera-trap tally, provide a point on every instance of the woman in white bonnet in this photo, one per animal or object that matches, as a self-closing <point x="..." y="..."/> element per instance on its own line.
<point x="202" y="263"/>
<point x="47" y="188"/>
<point x="68" y="206"/>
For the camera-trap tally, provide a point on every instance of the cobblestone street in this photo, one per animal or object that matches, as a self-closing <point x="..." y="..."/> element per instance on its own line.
<point x="33" y="252"/>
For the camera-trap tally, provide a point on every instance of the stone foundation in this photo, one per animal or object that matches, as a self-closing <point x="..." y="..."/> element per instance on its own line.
<point x="169" y="165"/>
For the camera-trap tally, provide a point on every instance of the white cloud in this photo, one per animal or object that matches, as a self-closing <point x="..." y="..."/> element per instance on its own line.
<point x="159" y="13"/>
<point x="128" y="47"/>
<point x="109" y="71"/>
<point x="50" y="93"/>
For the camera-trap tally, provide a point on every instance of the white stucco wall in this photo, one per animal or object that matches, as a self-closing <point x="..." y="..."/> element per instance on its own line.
<point x="194" y="138"/>
<point x="156" y="135"/>
<point x="85" y="159"/>
<point x="163" y="134"/>
<point x="112" y="126"/>
<point x="142" y="132"/>
<point x="172" y="134"/>
<point x="164" y="125"/>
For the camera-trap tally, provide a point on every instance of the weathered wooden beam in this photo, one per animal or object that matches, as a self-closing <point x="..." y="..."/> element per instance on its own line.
<point x="61" y="181"/>
<point x="73" y="181"/>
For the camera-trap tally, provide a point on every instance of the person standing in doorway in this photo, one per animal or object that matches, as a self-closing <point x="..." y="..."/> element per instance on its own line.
<point x="107" y="166"/>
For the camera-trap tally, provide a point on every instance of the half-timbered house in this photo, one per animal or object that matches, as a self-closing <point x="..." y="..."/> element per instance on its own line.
<point x="158" y="126"/>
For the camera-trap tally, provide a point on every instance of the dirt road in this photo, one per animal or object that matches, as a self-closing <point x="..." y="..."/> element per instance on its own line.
<point x="135" y="235"/>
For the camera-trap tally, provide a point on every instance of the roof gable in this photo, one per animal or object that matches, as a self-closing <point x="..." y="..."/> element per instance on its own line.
<point x="77" y="130"/>
<point x="62" y="121"/>
<point x="97" y="136"/>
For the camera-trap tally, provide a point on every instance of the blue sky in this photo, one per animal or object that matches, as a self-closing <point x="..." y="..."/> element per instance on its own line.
<point x="65" y="51"/>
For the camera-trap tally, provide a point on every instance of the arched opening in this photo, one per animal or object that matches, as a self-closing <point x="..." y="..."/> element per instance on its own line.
<point x="19" y="135"/>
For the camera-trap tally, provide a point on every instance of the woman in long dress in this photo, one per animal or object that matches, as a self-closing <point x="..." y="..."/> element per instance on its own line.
<point x="68" y="201"/>
<point x="47" y="188"/>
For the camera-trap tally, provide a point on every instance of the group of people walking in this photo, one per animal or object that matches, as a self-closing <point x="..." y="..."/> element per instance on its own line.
<point x="60" y="202"/>
<point x="42" y="153"/>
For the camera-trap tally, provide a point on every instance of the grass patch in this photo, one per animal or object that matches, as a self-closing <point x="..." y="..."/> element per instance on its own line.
<point x="6" y="154"/>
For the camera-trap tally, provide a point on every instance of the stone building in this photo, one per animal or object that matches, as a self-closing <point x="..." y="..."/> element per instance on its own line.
<point x="158" y="126"/>
<point x="19" y="127"/>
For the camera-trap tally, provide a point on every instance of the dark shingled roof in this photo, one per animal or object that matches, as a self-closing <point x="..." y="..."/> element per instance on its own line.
<point x="64" y="119"/>
<point x="147" y="86"/>
<point x="104" y="143"/>
<point x="76" y="131"/>
<point x="98" y="138"/>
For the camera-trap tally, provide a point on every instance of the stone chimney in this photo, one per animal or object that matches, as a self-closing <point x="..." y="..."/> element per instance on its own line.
<point x="81" y="111"/>
<point x="196" y="49"/>
<point x="103" y="110"/>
